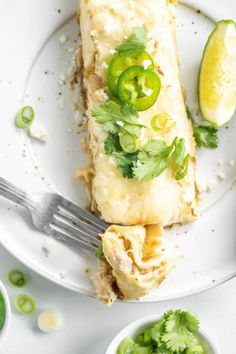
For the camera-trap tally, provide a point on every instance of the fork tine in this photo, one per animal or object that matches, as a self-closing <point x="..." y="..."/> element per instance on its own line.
<point x="76" y="221"/>
<point x="56" y="231"/>
<point x="74" y="230"/>
<point x="87" y="216"/>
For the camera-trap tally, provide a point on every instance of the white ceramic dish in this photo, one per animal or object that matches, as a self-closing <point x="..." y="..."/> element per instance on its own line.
<point x="6" y="327"/>
<point x="33" y="61"/>
<point x="138" y="326"/>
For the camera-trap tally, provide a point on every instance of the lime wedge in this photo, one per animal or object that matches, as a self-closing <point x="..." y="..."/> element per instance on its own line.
<point x="217" y="78"/>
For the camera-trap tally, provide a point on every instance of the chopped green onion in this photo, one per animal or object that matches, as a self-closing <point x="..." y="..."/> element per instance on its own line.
<point x="162" y="121"/>
<point x="17" y="278"/>
<point x="99" y="252"/>
<point x="24" y="117"/>
<point x="2" y="310"/>
<point x="128" y="142"/>
<point x="198" y="349"/>
<point x="182" y="170"/>
<point x="25" y="304"/>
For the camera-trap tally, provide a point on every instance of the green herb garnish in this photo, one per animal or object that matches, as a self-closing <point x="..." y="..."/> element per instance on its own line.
<point x="137" y="40"/>
<point x="175" y="333"/>
<point x="2" y="311"/>
<point x="206" y="136"/>
<point x="25" y="117"/>
<point x="153" y="159"/>
<point x="25" y="304"/>
<point x="114" y="116"/>
<point x="99" y="251"/>
<point x="17" y="278"/>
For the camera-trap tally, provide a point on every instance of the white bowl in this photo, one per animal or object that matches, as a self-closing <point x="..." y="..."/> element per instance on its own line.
<point x="138" y="326"/>
<point x="5" y="329"/>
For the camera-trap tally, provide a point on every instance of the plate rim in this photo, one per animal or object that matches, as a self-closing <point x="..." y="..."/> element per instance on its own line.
<point x="78" y="288"/>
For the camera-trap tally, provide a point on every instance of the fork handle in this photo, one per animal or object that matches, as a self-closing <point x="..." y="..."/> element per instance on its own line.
<point x="15" y="194"/>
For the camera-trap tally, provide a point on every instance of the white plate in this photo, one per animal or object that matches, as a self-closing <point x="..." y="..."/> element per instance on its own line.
<point x="29" y="36"/>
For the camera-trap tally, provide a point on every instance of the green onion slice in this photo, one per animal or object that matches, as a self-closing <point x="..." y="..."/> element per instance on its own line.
<point x="25" y="304"/>
<point x="198" y="349"/>
<point x="2" y="311"/>
<point x="16" y="278"/>
<point x="24" y="117"/>
<point x="162" y="121"/>
<point x="128" y="142"/>
<point x="182" y="170"/>
<point x="99" y="251"/>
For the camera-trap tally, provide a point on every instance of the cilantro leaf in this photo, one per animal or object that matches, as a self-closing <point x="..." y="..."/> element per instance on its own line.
<point x="155" y="147"/>
<point x="206" y="136"/>
<point x="125" y="164"/>
<point x="180" y="327"/>
<point x="149" y="167"/>
<point x="112" y="144"/>
<point x="157" y="330"/>
<point x="137" y="40"/>
<point x="179" y="152"/>
<point x="107" y="113"/>
<point x="115" y="117"/>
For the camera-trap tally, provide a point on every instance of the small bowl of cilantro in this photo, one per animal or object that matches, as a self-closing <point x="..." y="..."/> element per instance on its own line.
<point x="5" y="314"/>
<point x="175" y="332"/>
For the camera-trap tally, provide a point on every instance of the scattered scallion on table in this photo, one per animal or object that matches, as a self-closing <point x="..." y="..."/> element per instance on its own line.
<point x="17" y="278"/>
<point x="25" y="117"/>
<point x="25" y="304"/>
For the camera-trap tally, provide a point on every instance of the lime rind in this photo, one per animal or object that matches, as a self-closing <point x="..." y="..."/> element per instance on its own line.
<point x="217" y="75"/>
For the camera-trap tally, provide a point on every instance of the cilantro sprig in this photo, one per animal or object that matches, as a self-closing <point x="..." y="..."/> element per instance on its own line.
<point x="137" y="40"/>
<point x="114" y="117"/>
<point x="153" y="160"/>
<point x="204" y="135"/>
<point x="175" y="333"/>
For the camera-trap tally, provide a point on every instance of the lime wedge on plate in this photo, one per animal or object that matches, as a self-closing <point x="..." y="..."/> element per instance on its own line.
<point x="217" y="78"/>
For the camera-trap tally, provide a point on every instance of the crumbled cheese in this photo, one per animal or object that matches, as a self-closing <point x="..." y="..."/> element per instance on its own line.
<point x="70" y="50"/>
<point x="201" y="185"/>
<point x="220" y="162"/>
<point x="93" y="33"/>
<point x="221" y="175"/>
<point x="63" y="274"/>
<point x="36" y="131"/>
<point x="62" y="80"/>
<point x="188" y="196"/>
<point x="231" y="162"/>
<point x="146" y="64"/>
<point x="121" y="124"/>
<point x="147" y="92"/>
<point x="116" y="7"/>
<point x="104" y="65"/>
<point x="110" y="27"/>
<point x="63" y="39"/>
<point x="47" y="246"/>
<point x="61" y="103"/>
<point x="101" y="94"/>
<point x="211" y="185"/>
<point x="112" y="51"/>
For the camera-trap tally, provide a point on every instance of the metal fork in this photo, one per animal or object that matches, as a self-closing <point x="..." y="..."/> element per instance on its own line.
<point x="57" y="216"/>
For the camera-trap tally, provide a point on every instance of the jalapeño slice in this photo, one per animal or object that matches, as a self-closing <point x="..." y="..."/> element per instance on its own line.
<point x="123" y="61"/>
<point x="139" y="87"/>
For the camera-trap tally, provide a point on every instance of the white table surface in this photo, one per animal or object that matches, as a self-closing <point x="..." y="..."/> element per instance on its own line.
<point x="88" y="326"/>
